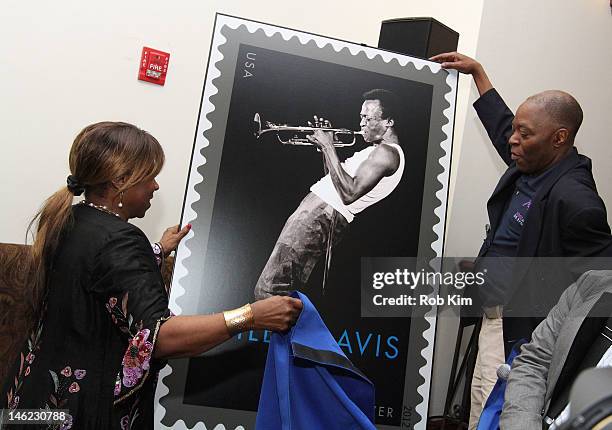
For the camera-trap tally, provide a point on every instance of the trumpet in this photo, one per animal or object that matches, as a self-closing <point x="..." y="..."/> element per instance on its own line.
<point x="296" y="135"/>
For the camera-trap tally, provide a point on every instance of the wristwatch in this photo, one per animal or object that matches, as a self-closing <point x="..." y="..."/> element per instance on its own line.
<point x="158" y="251"/>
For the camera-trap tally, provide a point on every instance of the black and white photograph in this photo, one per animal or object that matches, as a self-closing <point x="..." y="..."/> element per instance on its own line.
<point x="310" y="154"/>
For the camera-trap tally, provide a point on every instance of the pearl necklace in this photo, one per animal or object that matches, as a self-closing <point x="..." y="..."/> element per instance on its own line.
<point x="100" y="208"/>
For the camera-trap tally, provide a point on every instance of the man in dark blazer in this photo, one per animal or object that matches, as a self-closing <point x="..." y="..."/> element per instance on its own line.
<point x="544" y="207"/>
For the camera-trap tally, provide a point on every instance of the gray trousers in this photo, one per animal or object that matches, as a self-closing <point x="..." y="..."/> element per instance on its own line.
<point x="299" y="246"/>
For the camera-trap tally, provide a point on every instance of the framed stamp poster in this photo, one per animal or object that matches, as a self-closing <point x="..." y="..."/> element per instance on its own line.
<point x="252" y="169"/>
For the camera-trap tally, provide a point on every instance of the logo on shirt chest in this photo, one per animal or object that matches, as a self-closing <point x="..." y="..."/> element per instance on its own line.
<point x="520" y="217"/>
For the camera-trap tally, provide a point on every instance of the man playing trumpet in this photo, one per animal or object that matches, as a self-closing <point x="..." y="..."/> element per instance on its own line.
<point x="360" y="181"/>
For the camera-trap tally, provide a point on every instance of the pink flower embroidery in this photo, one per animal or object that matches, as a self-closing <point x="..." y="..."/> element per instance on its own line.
<point x="111" y="304"/>
<point x="27" y="371"/>
<point x="14" y="403"/>
<point x="117" y="385"/>
<point x="125" y="423"/>
<point x="67" y="424"/>
<point x="74" y="387"/>
<point x="80" y="373"/>
<point x="30" y="358"/>
<point x="136" y="358"/>
<point x="66" y="371"/>
<point x="131" y="376"/>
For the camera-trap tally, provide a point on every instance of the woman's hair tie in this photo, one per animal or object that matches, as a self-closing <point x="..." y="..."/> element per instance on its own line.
<point x="74" y="186"/>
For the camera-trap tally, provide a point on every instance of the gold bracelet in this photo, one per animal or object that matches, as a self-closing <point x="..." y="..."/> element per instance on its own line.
<point x="239" y="320"/>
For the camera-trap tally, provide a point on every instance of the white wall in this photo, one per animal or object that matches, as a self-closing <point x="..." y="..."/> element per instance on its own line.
<point x="67" y="63"/>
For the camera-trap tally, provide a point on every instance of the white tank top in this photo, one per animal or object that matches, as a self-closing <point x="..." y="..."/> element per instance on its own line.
<point x="326" y="191"/>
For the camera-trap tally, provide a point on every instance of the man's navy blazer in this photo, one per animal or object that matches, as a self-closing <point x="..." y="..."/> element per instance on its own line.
<point x="567" y="218"/>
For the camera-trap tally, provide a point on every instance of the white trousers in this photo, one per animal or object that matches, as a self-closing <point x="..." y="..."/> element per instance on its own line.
<point x="490" y="357"/>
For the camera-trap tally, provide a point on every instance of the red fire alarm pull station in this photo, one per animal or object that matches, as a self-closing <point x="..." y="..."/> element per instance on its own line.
<point x="153" y="66"/>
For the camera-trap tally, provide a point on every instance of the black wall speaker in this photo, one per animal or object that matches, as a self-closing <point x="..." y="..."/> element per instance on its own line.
<point x="419" y="37"/>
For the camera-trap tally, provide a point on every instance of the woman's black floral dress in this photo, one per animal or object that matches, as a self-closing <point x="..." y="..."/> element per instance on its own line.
<point x="91" y="352"/>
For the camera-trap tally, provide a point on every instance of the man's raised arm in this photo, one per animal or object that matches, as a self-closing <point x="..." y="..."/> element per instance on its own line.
<point x="490" y="107"/>
<point x="464" y="64"/>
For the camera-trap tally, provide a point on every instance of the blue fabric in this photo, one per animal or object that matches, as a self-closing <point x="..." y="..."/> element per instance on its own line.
<point x="310" y="384"/>
<point x="489" y="418"/>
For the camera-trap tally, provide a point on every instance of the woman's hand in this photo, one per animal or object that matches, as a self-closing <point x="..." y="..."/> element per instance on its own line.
<point x="191" y="335"/>
<point x="171" y="238"/>
<point x="277" y="313"/>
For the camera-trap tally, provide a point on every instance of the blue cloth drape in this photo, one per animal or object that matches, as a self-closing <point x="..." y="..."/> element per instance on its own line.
<point x="489" y="419"/>
<point x="309" y="383"/>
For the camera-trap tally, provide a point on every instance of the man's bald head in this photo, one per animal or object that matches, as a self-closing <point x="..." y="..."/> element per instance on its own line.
<point x="543" y="130"/>
<point x="562" y="108"/>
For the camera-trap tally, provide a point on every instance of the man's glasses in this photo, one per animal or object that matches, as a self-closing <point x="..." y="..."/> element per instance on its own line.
<point x="368" y="118"/>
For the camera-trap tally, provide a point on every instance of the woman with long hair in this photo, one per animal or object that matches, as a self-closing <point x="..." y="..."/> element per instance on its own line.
<point x="103" y="325"/>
